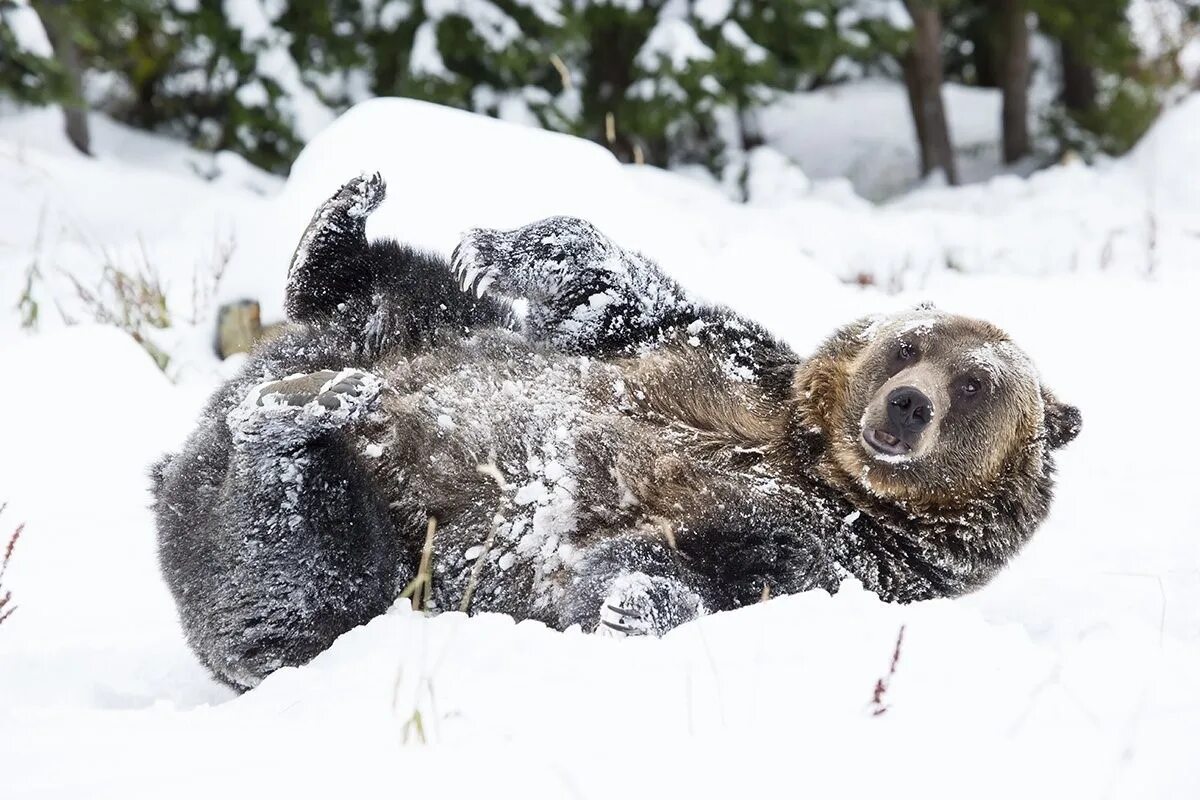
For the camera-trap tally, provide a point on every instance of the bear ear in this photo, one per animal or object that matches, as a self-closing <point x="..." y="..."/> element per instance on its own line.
<point x="1063" y="421"/>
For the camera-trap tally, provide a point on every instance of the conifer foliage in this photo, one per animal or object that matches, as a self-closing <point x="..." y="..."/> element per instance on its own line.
<point x="659" y="81"/>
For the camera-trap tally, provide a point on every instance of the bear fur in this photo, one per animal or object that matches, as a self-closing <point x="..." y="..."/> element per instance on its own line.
<point x="622" y="457"/>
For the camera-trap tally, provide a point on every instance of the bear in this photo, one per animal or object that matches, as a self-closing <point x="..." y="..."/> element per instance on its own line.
<point x="619" y="455"/>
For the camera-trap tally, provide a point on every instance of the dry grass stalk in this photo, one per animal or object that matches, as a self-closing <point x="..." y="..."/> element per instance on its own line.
<point x="6" y="607"/>
<point x="206" y="279"/>
<point x="492" y="471"/>
<point x="420" y="589"/>
<point x="27" y="304"/>
<point x="135" y="302"/>
<point x="564" y="74"/>
<point x="881" y="686"/>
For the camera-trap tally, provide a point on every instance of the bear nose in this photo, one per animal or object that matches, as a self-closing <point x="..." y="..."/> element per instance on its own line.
<point x="909" y="409"/>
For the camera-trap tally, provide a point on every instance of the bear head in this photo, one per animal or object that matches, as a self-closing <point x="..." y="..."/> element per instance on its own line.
<point x="928" y="410"/>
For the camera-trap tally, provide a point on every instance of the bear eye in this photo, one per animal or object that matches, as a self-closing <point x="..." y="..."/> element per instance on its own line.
<point x="969" y="387"/>
<point x="906" y="352"/>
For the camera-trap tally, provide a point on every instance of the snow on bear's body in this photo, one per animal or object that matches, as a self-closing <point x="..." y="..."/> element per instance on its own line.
<point x="622" y="457"/>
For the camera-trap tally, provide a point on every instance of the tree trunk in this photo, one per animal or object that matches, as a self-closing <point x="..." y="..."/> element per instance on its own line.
<point x="58" y="25"/>
<point x="923" y="76"/>
<point x="1078" y="80"/>
<point x="613" y="45"/>
<point x="1014" y="78"/>
<point x="748" y="128"/>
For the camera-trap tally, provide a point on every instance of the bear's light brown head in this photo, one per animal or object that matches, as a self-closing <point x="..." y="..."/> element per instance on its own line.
<point x="928" y="409"/>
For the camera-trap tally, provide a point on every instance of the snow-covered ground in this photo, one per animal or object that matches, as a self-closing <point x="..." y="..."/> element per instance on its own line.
<point x="1073" y="675"/>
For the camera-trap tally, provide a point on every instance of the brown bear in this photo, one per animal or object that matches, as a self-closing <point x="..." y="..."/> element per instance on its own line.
<point x="620" y="456"/>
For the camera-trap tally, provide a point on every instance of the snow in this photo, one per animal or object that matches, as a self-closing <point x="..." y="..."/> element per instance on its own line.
<point x="1161" y="28"/>
<point x="488" y="21"/>
<point x="712" y="12"/>
<point x="752" y="52"/>
<point x="1072" y="675"/>
<point x="27" y="29"/>
<point x="771" y="179"/>
<point x="1174" y="141"/>
<point x="273" y="61"/>
<point x="672" y="41"/>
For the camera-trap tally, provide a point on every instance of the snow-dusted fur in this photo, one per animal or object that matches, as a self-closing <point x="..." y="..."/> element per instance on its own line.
<point x="624" y="458"/>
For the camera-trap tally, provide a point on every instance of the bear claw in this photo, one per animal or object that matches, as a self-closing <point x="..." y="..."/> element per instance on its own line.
<point x="537" y="260"/>
<point x="620" y="622"/>
<point x="641" y="605"/>
<point x="475" y="261"/>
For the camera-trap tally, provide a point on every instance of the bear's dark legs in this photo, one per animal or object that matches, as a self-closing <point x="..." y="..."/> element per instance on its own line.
<point x="380" y="295"/>
<point x="630" y="586"/>
<point x="329" y="266"/>
<point x="300" y="547"/>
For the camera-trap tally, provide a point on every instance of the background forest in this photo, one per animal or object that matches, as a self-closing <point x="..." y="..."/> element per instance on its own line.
<point x="666" y="82"/>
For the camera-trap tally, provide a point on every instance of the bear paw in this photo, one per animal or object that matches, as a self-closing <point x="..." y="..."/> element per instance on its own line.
<point x="359" y="196"/>
<point x="640" y="605"/>
<point x="537" y="261"/>
<point x="305" y="404"/>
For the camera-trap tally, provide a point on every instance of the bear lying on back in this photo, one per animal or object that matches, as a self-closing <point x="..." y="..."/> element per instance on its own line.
<point x="624" y="457"/>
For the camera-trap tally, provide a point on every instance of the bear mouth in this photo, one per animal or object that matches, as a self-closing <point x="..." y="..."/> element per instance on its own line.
<point x="885" y="443"/>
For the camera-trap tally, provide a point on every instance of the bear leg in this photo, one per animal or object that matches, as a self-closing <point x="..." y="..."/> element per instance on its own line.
<point x="377" y="296"/>
<point x="331" y="264"/>
<point x="297" y="546"/>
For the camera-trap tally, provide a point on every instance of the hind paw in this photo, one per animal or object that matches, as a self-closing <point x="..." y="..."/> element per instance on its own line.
<point x="640" y="605"/>
<point x="306" y="403"/>
<point x="328" y="389"/>
<point x="359" y="196"/>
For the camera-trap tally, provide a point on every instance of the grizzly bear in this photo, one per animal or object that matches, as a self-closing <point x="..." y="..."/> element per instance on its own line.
<point x="619" y="456"/>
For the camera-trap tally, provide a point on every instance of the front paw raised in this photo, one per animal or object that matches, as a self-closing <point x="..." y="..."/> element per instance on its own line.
<point x="535" y="261"/>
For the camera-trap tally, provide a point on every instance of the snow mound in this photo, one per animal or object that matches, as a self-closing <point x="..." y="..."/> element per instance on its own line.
<point x="449" y="170"/>
<point x="1169" y="153"/>
<point x="94" y="413"/>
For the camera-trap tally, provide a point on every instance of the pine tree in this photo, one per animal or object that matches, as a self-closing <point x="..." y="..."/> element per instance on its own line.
<point x="1108" y="98"/>
<point x="29" y="71"/>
